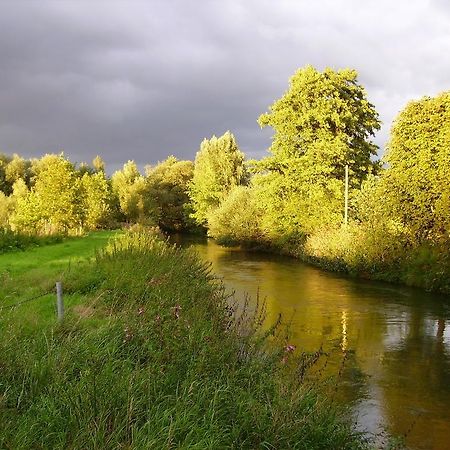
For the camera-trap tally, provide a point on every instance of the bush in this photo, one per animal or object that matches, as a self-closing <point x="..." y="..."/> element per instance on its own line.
<point x="237" y="219"/>
<point x="11" y="241"/>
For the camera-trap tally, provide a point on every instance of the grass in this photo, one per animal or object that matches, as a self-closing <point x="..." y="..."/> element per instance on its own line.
<point x="152" y="357"/>
<point x="30" y="273"/>
<point x="11" y="241"/>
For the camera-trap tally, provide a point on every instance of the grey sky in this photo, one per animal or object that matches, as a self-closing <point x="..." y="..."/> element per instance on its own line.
<point x="144" y="79"/>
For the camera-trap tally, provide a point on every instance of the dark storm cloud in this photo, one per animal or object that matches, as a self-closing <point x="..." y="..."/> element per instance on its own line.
<point x="141" y="80"/>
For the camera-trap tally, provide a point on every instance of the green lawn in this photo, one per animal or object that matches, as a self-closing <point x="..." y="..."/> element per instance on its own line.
<point x="25" y="274"/>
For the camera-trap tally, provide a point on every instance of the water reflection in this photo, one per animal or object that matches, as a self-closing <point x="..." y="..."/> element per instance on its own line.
<point x="397" y="374"/>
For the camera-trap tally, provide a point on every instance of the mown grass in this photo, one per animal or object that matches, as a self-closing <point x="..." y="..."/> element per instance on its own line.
<point x="153" y="358"/>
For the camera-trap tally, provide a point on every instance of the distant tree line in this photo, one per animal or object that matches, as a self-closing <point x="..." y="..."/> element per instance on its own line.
<point x="52" y="195"/>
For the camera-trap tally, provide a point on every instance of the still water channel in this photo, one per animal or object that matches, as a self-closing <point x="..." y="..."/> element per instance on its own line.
<point x="397" y="339"/>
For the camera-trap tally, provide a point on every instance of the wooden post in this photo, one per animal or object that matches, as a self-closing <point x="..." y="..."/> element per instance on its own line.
<point x="59" y="300"/>
<point x="346" y="196"/>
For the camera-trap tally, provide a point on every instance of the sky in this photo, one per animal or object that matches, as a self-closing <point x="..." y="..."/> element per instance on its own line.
<point x="142" y="80"/>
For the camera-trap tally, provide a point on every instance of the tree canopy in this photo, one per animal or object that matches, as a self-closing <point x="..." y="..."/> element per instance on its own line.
<point x="168" y="184"/>
<point x="219" y="166"/>
<point x="418" y="174"/>
<point x="322" y="123"/>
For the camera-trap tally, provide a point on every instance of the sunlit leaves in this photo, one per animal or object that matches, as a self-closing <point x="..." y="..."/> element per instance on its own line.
<point x="219" y="166"/>
<point x="417" y="180"/>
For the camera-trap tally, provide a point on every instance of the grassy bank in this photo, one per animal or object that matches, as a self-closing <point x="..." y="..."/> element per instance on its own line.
<point x="361" y="252"/>
<point x="150" y="357"/>
<point x="11" y="241"/>
<point x="364" y="253"/>
<point x="24" y="274"/>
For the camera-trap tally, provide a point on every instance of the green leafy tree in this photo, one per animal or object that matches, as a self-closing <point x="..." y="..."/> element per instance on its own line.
<point x="130" y="187"/>
<point x="418" y="174"/>
<point x="219" y="166"/>
<point x="54" y="203"/>
<point x="18" y="168"/>
<point x="168" y="184"/>
<point x="4" y="210"/>
<point x="97" y="198"/>
<point x="5" y="185"/>
<point x="322" y="123"/>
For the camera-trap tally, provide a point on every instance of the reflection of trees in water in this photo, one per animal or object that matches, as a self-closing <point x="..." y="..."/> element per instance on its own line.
<point x="416" y="382"/>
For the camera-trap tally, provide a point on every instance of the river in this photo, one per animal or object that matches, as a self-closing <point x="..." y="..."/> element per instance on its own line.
<point x="396" y="339"/>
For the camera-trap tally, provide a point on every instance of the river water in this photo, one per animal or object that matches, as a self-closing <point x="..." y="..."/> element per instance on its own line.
<point x="396" y="340"/>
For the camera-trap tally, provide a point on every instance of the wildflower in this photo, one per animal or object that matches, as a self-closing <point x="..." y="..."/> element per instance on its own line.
<point x="289" y="348"/>
<point x="141" y="311"/>
<point x="158" y="319"/>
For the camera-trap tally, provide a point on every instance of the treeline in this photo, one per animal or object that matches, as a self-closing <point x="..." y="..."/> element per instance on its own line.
<point x="291" y="201"/>
<point x="51" y="195"/>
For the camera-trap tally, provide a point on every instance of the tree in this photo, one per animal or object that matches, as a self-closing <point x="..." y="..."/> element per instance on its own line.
<point x="322" y="123"/>
<point x="418" y="157"/>
<point x="97" y="198"/>
<point x="168" y="184"/>
<point x="131" y="189"/>
<point x="4" y="211"/>
<point x="17" y="168"/>
<point x="53" y="204"/>
<point x="5" y="186"/>
<point x="219" y="166"/>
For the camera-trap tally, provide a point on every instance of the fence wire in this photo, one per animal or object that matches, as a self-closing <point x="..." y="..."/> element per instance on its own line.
<point x="36" y="297"/>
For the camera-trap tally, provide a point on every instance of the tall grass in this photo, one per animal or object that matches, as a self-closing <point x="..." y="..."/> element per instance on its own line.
<point x="153" y="358"/>
<point x="11" y="241"/>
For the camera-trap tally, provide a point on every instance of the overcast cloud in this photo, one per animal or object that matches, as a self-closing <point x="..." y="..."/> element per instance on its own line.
<point x="143" y="80"/>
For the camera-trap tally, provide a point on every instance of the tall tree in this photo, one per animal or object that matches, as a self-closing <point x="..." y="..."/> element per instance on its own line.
<point x="322" y="123"/>
<point x="5" y="185"/>
<point x="418" y="174"/>
<point x="97" y="198"/>
<point x="219" y="166"/>
<point x="98" y="164"/>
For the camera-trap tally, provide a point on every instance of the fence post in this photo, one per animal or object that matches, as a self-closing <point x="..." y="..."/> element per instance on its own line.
<point x="59" y="300"/>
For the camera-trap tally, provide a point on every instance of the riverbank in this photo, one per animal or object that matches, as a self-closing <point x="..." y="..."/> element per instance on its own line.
<point x="150" y="357"/>
<point x="361" y="253"/>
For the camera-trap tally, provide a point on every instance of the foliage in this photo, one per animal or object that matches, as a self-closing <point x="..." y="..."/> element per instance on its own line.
<point x="5" y="210"/>
<point x="238" y="218"/>
<point x="96" y="196"/>
<point x="417" y="179"/>
<point x="325" y="118"/>
<point x="323" y="122"/>
<point x="131" y="189"/>
<point x="219" y="166"/>
<point x="168" y="184"/>
<point x="98" y="164"/>
<point x="149" y="358"/>
<point x="11" y="241"/>
<point x="53" y="204"/>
